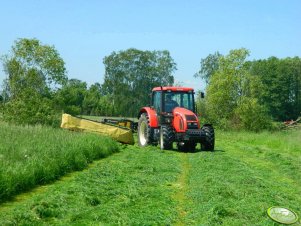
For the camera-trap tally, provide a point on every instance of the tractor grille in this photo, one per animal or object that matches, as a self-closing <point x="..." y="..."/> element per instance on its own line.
<point x="192" y="125"/>
<point x="190" y="118"/>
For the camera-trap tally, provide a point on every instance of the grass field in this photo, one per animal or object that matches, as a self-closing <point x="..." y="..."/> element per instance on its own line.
<point x="235" y="185"/>
<point x="37" y="155"/>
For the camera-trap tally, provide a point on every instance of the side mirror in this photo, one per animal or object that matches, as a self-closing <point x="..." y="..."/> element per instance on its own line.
<point x="202" y="95"/>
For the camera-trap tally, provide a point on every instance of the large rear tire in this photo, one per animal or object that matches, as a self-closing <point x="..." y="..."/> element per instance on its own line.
<point x="208" y="143"/>
<point x="144" y="131"/>
<point x="166" y="137"/>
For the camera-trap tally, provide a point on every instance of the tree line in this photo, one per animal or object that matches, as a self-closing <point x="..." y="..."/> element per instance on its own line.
<point x="239" y="93"/>
<point x="37" y="89"/>
<point x="250" y="94"/>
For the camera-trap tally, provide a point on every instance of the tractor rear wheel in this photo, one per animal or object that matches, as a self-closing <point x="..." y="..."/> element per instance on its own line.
<point x="166" y="137"/>
<point x="144" y="131"/>
<point x="208" y="143"/>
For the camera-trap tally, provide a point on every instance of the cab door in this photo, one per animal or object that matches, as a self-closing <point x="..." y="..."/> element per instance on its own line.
<point x="157" y="103"/>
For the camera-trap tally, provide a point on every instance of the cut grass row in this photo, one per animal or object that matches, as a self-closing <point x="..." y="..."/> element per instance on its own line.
<point x="246" y="175"/>
<point x="34" y="155"/>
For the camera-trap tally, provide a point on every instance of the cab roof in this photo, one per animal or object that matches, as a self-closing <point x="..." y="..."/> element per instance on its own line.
<point x="173" y="88"/>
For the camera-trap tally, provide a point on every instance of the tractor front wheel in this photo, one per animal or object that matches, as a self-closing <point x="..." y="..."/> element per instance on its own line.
<point x="166" y="137"/>
<point x="144" y="131"/>
<point x="208" y="143"/>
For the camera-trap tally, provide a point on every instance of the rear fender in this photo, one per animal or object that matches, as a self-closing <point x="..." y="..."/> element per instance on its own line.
<point x="152" y="116"/>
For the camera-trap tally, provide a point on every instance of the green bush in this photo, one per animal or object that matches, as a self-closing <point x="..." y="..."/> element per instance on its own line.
<point x="247" y="115"/>
<point x="252" y="116"/>
<point x="33" y="110"/>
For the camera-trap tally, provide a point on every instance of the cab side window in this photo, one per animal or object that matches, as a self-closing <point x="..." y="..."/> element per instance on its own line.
<point x="157" y="101"/>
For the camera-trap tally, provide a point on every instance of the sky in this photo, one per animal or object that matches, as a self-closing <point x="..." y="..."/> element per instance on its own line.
<point x="84" y="32"/>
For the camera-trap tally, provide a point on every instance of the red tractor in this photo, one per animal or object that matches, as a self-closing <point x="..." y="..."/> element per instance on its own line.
<point x="172" y="118"/>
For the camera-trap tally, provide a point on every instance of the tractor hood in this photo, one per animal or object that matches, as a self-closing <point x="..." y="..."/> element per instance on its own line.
<point x="184" y="119"/>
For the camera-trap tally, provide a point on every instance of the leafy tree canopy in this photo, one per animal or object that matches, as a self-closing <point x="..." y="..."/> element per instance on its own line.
<point x="33" y="72"/>
<point x="209" y="66"/>
<point x="32" y="65"/>
<point x="71" y="96"/>
<point x="130" y="76"/>
<point x="281" y="91"/>
<point x="232" y="94"/>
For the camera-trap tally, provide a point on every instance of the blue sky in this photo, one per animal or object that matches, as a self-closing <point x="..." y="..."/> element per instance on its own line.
<point x="84" y="32"/>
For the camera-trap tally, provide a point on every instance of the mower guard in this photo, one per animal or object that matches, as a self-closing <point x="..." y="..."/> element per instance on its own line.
<point x="122" y="135"/>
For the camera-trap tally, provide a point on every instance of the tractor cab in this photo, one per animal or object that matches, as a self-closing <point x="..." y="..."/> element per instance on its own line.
<point x="166" y="99"/>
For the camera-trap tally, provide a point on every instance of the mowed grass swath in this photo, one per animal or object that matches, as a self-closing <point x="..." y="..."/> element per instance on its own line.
<point x="32" y="155"/>
<point x="247" y="174"/>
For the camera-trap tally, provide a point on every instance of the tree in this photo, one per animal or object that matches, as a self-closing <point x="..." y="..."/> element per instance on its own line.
<point x="201" y="105"/>
<point x="209" y="66"/>
<point x="281" y="80"/>
<point x="233" y="89"/>
<point x="31" y="61"/>
<point x="252" y="115"/>
<point x="104" y="106"/>
<point x="5" y="91"/>
<point x="34" y="71"/>
<point x="91" y="102"/>
<point x="71" y="96"/>
<point x="130" y="76"/>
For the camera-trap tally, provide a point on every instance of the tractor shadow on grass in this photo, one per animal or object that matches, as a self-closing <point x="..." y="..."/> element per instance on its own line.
<point x="218" y="150"/>
<point x="197" y="150"/>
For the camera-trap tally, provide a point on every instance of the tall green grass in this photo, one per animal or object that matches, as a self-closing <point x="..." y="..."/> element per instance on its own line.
<point x="33" y="155"/>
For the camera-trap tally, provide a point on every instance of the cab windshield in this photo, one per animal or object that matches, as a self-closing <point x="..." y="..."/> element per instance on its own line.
<point x="178" y="99"/>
